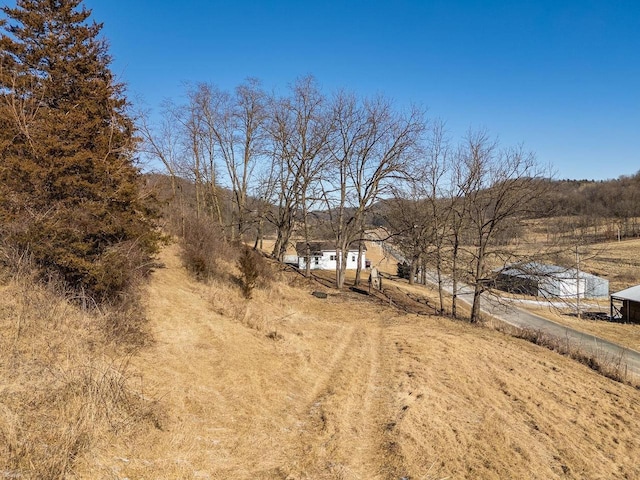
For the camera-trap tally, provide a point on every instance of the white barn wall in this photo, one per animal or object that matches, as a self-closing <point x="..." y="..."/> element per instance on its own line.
<point x="563" y="287"/>
<point x="554" y="281"/>
<point x="327" y="260"/>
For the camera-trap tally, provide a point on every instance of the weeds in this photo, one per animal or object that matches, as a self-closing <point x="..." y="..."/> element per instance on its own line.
<point x="203" y="249"/>
<point x="125" y="323"/>
<point x="64" y="387"/>
<point x="610" y="366"/>
<point x="248" y="265"/>
<point x="254" y="271"/>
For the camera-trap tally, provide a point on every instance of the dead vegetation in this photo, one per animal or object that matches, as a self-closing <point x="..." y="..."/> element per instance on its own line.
<point x="624" y="334"/>
<point x="287" y="385"/>
<point x="65" y="384"/>
<point x="613" y="367"/>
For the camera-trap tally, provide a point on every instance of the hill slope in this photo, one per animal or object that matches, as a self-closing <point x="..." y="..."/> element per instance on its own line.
<point x="294" y="387"/>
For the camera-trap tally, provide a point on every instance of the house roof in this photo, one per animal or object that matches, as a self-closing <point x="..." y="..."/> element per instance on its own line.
<point x="632" y="294"/>
<point x="319" y="247"/>
<point x="537" y="270"/>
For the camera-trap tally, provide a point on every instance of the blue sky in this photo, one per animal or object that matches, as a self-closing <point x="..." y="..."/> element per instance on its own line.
<point x="561" y="77"/>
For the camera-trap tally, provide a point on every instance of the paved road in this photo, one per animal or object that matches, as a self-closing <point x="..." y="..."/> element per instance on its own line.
<point x="509" y="313"/>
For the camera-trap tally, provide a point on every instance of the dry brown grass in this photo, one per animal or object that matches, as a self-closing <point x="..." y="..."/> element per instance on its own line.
<point x="619" y="262"/>
<point x="63" y="385"/>
<point x="290" y="386"/>
<point x="626" y="335"/>
<point x="484" y="406"/>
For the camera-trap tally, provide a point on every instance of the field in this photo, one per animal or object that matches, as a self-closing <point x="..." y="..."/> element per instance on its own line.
<point x="294" y="387"/>
<point x="619" y="262"/>
<point x="290" y="386"/>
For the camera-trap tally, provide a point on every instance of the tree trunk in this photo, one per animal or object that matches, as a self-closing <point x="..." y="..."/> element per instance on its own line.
<point x="307" y="271"/>
<point x="454" y="274"/>
<point x="440" y="286"/>
<point x="475" y="308"/>
<point x="285" y="228"/>
<point x="413" y="267"/>
<point x="341" y="265"/>
<point x="305" y="224"/>
<point x="478" y="287"/>
<point x="259" y="235"/>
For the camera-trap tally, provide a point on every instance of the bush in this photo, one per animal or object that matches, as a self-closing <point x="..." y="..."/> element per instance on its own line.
<point x="404" y="270"/>
<point x="203" y="247"/>
<point x="254" y="271"/>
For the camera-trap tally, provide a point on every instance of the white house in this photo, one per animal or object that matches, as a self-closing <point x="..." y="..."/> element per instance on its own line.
<point x="325" y="257"/>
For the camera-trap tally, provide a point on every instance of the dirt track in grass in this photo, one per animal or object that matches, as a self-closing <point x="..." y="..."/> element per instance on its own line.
<point x="290" y="386"/>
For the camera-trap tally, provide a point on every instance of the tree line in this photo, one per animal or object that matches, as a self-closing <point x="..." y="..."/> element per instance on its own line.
<point x="601" y="210"/>
<point x="310" y="165"/>
<point x="303" y="164"/>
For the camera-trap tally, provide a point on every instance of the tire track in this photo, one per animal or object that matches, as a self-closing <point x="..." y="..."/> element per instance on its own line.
<point x="341" y="435"/>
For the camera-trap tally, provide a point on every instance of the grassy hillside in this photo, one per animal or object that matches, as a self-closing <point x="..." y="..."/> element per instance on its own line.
<point x="65" y="386"/>
<point x="287" y="385"/>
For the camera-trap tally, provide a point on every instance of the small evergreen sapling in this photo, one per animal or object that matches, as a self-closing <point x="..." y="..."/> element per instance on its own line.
<point x="249" y="265"/>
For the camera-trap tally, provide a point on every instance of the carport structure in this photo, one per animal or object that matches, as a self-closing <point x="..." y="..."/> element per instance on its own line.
<point x="625" y="305"/>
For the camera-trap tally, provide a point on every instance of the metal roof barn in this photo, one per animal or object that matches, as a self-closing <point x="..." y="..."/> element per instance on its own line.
<point x="538" y="279"/>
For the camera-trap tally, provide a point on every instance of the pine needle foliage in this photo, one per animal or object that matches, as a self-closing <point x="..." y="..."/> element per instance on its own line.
<point x="248" y="263"/>
<point x="255" y="271"/>
<point x="69" y="187"/>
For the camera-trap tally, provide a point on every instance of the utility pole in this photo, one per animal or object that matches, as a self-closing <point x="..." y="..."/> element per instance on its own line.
<point x="578" y="281"/>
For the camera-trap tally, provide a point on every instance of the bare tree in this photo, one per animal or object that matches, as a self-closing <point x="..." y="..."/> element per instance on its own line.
<point x="300" y="131"/>
<point x="373" y="144"/>
<point x="430" y="179"/>
<point x="500" y="188"/>
<point x="262" y="195"/>
<point x="234" y="125"/>
<point x="285" y="184"/>
<point x="161" y="143"/>
<point x="458" y="197"/>
<point x="410" y="226"/>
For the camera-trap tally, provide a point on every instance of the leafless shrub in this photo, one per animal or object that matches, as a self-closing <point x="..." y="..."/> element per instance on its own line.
<point x="274" y="335"/>
<point x="125" y="323"/>
<point x="203" y="247"/>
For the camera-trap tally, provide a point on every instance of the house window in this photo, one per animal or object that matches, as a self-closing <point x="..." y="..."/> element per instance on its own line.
<point x="353" y="258"/>
<point x="332" y="258"/>
<point x="317" y="260"/>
